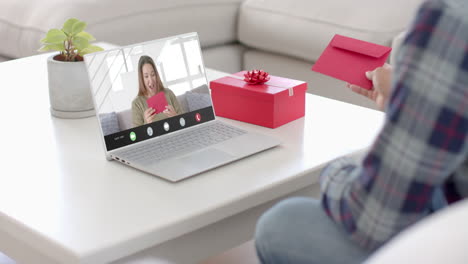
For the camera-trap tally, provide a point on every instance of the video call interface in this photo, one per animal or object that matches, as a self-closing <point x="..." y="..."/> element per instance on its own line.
<point x="150" y="89"/>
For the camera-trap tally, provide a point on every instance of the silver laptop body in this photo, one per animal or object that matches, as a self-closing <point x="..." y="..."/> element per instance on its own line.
<point x="175" y="144"/>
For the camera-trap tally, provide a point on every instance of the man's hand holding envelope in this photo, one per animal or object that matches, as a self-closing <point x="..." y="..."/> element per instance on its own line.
<point x="348" y="59"/>
<point x="360" y="64"/>
<point x="381" y="79"/>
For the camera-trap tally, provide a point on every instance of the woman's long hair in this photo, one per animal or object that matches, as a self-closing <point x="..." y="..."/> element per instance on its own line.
<point x="141" y="84"/>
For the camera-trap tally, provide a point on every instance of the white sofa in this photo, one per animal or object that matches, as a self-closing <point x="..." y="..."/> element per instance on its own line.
<point x="439" y="238"/>
<point x="282" y="37"/>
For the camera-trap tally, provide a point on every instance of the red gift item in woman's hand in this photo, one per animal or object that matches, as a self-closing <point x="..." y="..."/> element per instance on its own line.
<point x="256" y="77"/>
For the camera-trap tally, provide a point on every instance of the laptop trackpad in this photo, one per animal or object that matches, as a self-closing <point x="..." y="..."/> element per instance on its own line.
<point x="205" y="159"/>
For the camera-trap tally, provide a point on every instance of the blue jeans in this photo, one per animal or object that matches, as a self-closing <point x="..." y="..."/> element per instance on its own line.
<point x="297" y="230"/>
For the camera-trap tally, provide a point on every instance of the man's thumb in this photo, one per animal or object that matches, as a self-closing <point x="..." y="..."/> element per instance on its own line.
<point x="369" y="75"/>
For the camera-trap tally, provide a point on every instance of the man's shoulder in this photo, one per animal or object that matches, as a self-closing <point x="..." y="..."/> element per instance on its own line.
<point x="457" y="8"/>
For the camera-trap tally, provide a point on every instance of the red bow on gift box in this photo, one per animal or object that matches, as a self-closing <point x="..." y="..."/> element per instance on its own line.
<point x="256" y="77"/>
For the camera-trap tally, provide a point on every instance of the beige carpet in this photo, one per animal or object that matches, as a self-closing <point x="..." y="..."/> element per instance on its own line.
<point x="244" y="254"/>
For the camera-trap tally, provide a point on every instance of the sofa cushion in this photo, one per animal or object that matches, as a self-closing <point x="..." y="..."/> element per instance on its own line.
<point x="197" y="101"/>
<point x="303" y="28"/>
<point x="183" y="102"/>
<point x="201" y="89"/>
<point x="2" y="59"/>
<point x="226" y="58"/>
<point x="24" y="22"/>
<point x="109" y="123"/>
<point x="125" y="119"/>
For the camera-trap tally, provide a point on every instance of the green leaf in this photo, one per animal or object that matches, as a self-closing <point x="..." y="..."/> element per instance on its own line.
<point x="54" y="36"/>
<point x="80" y="42"/>
<point x="78" y="27"/>
<point x="90" y="49"/>
<point x="68" y="25"/>
<point x="48" y="47"/>
<point x="86" y="35"/>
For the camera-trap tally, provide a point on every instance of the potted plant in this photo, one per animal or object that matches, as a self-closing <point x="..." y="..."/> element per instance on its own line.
<point x="69" y="89"/>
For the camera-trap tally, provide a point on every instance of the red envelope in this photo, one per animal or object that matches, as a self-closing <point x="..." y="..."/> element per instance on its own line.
<point x="348" y="59"/>
<point x="158" y="102"/>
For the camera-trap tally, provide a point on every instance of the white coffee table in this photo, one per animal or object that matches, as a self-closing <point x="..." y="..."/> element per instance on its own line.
<point x="61" y="201"/>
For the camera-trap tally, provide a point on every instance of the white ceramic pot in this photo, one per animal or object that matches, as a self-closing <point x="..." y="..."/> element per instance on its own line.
<point x="69" y="91"/>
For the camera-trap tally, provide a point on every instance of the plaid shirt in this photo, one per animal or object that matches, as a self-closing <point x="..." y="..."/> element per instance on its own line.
<point x="423" y="144"/>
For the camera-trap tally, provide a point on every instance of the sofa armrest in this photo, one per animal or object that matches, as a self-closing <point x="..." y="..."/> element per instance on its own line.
<point x="439" y="238"/>
<point x="396" y="43"/>
<point x="125" y="119"/>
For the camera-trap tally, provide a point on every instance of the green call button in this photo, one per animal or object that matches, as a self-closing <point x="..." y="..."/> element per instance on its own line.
<point x="132" y="136"/>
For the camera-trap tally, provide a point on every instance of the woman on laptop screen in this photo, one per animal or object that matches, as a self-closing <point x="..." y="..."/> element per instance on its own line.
<point x="153" y="102"/>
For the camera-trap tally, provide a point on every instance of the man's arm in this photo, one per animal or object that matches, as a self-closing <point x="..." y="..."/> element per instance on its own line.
<point x="422" y="142"/>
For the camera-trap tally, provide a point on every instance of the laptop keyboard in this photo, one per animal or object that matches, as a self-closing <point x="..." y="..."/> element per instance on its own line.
<point x="180" y="143"/>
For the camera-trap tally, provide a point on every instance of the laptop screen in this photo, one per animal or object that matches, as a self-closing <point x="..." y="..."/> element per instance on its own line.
<point x="149" y="89"/>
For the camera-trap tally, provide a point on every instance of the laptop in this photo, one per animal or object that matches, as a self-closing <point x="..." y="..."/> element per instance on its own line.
<point x="184" y="137"/>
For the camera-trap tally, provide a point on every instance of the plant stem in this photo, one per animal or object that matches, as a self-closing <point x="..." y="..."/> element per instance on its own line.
<point x="72" y="50"/>
<point x="68" y="50"/>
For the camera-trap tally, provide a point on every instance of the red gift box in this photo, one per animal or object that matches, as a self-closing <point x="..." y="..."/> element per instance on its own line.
<point x="272" y="104"/>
